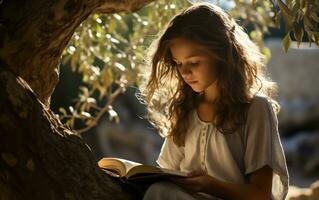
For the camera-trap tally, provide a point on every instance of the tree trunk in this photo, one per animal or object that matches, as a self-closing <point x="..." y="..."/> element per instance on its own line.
<point x="39" y="157"/>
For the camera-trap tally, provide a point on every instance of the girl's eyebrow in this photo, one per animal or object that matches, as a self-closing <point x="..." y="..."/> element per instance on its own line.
<point x="193" y="55"/>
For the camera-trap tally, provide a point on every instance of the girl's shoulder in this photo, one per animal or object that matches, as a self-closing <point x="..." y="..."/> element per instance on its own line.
<point x="261" y="110"/>
<point x="260" y="102"/>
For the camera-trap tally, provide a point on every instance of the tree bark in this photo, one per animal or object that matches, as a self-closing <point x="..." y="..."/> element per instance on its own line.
<point x="39" y="157"/>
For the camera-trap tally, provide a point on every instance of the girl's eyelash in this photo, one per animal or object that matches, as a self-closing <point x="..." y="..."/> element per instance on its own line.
<point x="191" y="63"/>
<point x="194" y="63"/>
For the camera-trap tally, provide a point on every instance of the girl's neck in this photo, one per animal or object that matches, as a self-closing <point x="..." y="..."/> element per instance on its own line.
<point x="206" y="108"/>
<point x="210" y="94"/>
<point x="209" y="99"/>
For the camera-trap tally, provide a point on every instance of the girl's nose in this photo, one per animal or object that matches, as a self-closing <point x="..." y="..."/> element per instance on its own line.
<point x="184" y="70"/>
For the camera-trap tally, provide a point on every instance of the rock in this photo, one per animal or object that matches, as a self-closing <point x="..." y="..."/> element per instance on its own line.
<point x="296" y="193"/>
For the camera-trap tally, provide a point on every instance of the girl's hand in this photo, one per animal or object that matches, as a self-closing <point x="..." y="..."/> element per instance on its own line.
<point x="196" y="181"/>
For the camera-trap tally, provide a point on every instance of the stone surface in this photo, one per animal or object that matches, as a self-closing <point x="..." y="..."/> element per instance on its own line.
<point x="297" y="193"/>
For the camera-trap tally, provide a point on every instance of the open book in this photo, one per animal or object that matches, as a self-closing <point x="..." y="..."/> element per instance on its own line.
<point x="130" y="171"/>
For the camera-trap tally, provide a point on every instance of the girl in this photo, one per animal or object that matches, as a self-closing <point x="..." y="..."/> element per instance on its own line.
<point x="208" y="95"/>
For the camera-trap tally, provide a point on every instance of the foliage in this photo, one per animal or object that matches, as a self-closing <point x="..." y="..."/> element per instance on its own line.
<point x="108" y="50"/>
<point x="300" y="16"/>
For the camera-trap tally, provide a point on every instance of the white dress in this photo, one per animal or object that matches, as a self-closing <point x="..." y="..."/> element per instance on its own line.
<point x="227" y="157"/>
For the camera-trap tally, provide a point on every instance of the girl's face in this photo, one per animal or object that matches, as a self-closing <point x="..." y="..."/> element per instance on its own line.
<point x="196" y="64"/>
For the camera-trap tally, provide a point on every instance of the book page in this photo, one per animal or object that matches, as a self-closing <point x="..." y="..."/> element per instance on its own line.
<point x="128" y="164"/>
<point x="146" y="169"/>
<point x="114" y="165"/>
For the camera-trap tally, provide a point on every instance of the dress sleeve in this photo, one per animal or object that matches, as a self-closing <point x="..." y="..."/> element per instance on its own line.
<point x="171" y="155"/>
<point x="263" y="145"/>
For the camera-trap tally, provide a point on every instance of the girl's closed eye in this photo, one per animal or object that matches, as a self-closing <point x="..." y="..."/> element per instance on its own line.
<point x="194" y="63"/>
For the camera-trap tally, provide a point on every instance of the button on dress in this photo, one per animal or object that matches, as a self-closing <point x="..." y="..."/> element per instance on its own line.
<point x="227" y="157"/>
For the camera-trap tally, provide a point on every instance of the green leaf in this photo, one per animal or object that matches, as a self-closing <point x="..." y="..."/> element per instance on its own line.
<point x="71" y="109"/>
<point x="298" y="34"/>
<point x="286" y="14"/>
<point x="106" y="77"/>
<point x="91" y="100"/>
<point x="86" y="114"/>
<point x="112" y="26"/>
<point x="119" y="66"/>
<point x="286" y="42"/>
<point x="62" y="110"/>
<point x="74" y="61"/>
<point x="266" y="52"/>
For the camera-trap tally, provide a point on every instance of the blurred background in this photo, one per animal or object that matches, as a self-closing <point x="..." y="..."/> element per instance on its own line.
<point x="99" y="79"/>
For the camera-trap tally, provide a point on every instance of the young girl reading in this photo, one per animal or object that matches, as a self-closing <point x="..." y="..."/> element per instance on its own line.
<point x="208" y="94"/>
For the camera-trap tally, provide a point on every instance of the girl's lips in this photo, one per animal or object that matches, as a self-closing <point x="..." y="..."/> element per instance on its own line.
<point x="191" y="82"/>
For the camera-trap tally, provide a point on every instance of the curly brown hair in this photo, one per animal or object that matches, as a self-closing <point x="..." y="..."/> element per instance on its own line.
<point x="240" y="72"/>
